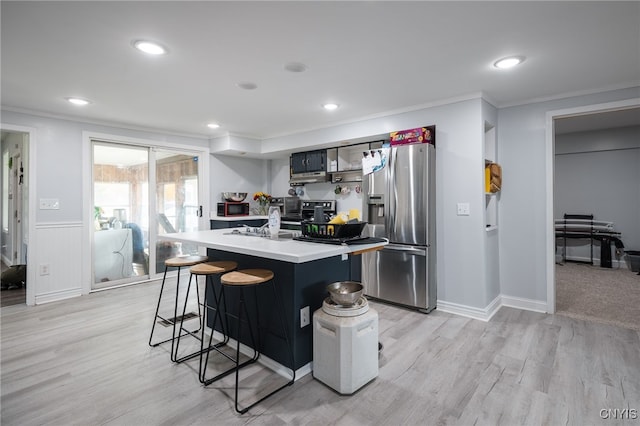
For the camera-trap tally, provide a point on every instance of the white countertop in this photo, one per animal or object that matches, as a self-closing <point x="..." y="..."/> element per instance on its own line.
<point x="287" y="250"/>
<point x="213" y="216"/>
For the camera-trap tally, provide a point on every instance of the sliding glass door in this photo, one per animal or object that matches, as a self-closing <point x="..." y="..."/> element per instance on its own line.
<point x="129" y="218"/>
<point x="177" y="202"/>
<point x="121" y="214"/>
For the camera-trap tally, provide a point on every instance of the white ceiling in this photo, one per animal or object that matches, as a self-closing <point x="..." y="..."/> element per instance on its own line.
<point x="371" y="58"/>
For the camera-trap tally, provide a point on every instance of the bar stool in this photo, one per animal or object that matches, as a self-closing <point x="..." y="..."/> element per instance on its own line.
<point x="240" y="280"/>
<point x="208" y="270"/>
<point x="174" y="262"/>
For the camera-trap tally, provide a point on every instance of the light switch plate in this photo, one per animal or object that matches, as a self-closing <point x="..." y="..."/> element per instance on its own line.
<point x="49" y="204"/>
<point x="463" y="209"/>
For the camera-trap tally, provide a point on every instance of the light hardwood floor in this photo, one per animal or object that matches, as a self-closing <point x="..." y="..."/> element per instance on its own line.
<point x="86" y="361"/>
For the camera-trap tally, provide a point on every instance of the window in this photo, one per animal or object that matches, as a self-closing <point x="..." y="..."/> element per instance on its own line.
<point x="113" y="198"/>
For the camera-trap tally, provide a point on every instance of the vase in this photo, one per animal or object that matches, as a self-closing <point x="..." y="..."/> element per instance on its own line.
<point x="263" y="209"/>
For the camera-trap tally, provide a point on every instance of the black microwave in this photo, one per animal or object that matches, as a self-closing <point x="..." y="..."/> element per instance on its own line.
<point x="233" y="209"/>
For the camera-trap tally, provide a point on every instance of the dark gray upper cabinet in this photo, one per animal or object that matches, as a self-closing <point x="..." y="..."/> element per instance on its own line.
<point x="311" y="161"/>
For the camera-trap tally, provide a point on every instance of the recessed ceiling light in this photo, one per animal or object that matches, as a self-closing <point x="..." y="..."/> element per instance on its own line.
<point x="149" y="47"/>
<point x="247" y="85"/>
<point x="508" y="62"/>
<point x="295" y="67"/>
<point x="330" y="107"/>
<point x="78" y="101"/>
<point x="213" y="125"/>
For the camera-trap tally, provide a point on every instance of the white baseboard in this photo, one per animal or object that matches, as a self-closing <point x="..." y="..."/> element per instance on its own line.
<point x="482" y="314"/>
<point x="54" y="296"/>
<point x="486" y="313"/>
<point x="524" y="304"/>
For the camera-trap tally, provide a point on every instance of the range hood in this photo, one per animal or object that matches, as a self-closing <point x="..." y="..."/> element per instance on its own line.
<point x="308" y="177"/>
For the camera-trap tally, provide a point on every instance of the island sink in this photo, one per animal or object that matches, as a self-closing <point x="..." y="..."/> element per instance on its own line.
<point x="264" y="233"/>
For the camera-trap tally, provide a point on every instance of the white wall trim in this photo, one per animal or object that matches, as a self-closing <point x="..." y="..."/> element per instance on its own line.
<point x="57" y="295"/>
<point x="50" y="225"/>
<point x="550" y="179"/>
<point x="485" y="314"/>
<point x="574" y="94"/>
<point x="482" y="314"/>
<point x="524" y="304"/>
<point x="31" y="214"/>
<point x="398" y="111"/>
<point x="106" y="123"/>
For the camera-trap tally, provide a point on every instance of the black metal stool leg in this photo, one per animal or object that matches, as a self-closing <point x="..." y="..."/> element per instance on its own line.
<point x="218" y="301"/>
<point x="155" y="318"/>
<point x="291" y="357"/>
<point x="236" y="360"/>
<point x="178" y="263"/>
<point x="174" y="354"/>
<point x="176" y="339"/>
<point x="256" y="353"/>
<point x="175" y="313"/>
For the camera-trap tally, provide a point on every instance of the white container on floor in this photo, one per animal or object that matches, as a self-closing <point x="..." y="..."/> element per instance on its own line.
<point x="345" y="350"/>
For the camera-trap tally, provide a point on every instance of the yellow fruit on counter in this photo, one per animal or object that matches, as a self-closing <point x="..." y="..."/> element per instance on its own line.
<point x="339" y="219"/>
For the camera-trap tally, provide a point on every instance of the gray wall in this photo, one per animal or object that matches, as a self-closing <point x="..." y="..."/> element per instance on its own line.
<point x="522" y="211"/>
<point x="599" y="173"/>
<point x="459" y="178"/>
<point x="59" y="159"/>
<point x="238" y="174"/>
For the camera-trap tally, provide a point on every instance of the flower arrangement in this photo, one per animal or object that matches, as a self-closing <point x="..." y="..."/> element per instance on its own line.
<point x="263" y="201"/>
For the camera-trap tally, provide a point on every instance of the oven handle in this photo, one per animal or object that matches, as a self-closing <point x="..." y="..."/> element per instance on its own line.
<point x="409" y="250"/>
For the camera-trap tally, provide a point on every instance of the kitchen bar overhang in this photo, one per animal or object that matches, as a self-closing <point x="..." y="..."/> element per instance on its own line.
<point x="302" y="272"/>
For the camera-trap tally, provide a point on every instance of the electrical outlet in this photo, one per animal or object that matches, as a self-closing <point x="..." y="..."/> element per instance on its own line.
<point x="304" y="316"/>
<point x="44" y="269"/>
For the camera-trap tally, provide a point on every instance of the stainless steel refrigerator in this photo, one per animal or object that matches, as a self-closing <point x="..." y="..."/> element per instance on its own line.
<point x="399" y="204"/>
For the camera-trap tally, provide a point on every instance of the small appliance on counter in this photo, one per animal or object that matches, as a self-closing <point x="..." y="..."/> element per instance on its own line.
<point x="230" y="209"/>
<point x="233" y="205"/>
<point x="289" y="206"/>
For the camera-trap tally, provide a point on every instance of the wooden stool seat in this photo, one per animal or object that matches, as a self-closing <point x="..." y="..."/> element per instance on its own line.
<point x="217" y="267"/>
<point x="246" y="277"/>
<point x="181" y="261"/>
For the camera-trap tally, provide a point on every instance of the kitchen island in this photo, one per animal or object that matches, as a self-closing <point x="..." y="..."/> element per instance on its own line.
<point x="302" y="272"/>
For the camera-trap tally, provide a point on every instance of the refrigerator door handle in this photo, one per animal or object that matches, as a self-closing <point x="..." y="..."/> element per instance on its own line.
<point x="410" y="250"/>
<point x="390" y="205"/>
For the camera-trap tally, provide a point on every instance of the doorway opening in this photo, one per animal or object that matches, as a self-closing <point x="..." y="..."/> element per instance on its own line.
<point x="15" y="208"/>
<point x="596" y="205"/>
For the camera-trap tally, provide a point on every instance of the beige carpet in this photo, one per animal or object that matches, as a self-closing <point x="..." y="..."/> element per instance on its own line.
<point x="592" y="293"/>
